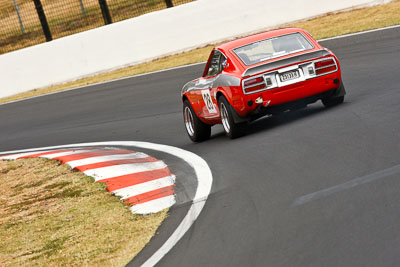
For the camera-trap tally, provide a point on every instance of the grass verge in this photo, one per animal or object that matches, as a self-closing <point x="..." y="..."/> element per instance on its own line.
<point x="322" y="27"/>
<point x="50" y="215"/>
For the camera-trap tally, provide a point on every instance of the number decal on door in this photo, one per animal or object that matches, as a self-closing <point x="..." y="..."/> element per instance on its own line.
<point x="208" y="101"/>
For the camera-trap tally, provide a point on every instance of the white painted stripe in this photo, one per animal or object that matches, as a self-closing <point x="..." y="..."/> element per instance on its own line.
<point x="92" y="160"/>
<point x="180" y="67"/>
<point x="204" y="184"/>
<point x="358" y="33"/>
<point x="153" y="206"/>
<point x="138" y="189"/>
<point x="67" y="153"/>
<point x="105" y="82"/>
<point x="124" y="169"/>
<point x="27" y="154"/>
<point x="16" y="156"/>
<point x="347" y="185"/>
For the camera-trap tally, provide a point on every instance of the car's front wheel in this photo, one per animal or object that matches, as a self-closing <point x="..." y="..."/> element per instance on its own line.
<point x="232" y="129"/>
<point x="197" y="130"/>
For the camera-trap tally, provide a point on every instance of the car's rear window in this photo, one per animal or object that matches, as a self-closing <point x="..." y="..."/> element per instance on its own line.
<point x="271" y="48"/>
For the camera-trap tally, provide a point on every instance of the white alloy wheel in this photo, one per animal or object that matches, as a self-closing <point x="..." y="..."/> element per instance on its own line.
<point x="188" y="121"/>
<point x="225" y="118"/>
<point x="197" y="130"/>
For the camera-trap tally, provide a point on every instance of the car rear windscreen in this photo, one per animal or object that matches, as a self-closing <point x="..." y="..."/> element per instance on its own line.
<point x="271" y="48"/>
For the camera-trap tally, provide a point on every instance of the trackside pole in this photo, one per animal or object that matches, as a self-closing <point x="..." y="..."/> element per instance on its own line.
<point x="43" y="20"/>
<point x="169" y="3"/>
<point x="105" y="12"/>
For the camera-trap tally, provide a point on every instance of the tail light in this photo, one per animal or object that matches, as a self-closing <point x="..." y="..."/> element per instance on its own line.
<point x="325" y="66"/>
<point x="307" y="70"/>
<point x="254" y="84"/>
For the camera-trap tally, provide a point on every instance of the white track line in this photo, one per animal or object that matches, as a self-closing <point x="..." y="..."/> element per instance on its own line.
<point x="124" y="169"/>
<point x="200" y="166"/>
<point x="105" y="82"/>
<point x="204" y="184"/>
<point x="99" y="159"/>
<point x="55" y="152"/>
<point x="185" y="66"/>
<point x="16" y="156"/>
<point x="155" y="205"/>
<point x="358" y="33"/>
<point x="138" y="189"/>
<point x="67" y="153"/>
<point x="347" y="185"/>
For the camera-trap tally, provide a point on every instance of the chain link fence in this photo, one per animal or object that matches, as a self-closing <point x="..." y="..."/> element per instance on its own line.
<point x="28" y="22"/>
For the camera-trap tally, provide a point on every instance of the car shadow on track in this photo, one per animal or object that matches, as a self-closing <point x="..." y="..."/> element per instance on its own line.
<point x="271" y="122"/>
<point x="267" y="123"/>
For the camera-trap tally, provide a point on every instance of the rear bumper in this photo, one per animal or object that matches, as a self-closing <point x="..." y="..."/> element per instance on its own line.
<point x="298" y="102"/>
<point x="287" y="94"/>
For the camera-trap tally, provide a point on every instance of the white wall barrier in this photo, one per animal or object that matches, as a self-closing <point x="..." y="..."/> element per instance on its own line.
<point x="152" y="36"/>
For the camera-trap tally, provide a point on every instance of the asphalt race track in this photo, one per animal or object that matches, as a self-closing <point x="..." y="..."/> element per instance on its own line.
<point x="256" y="214"/>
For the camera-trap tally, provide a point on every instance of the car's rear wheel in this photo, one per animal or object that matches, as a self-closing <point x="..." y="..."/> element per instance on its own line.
<point x="232" y="129"/>
<point x="334" y="100"/>
<point x="197" y="130"/>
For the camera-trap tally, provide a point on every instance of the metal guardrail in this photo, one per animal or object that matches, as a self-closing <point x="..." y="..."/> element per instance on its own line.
<point x="28" y="22"/>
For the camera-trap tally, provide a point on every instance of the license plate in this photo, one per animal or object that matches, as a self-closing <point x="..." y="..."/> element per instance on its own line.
<point x="289" y="75"/>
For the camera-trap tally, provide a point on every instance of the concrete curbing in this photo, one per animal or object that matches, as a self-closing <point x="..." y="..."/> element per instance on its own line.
<point x="201" y="169"/>
<point x="142" y="182"/>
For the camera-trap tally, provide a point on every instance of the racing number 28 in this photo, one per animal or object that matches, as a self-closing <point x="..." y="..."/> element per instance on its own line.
<point x="208" y="101"/>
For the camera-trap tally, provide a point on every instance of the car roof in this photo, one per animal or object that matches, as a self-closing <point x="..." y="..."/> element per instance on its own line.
<point x="257" y="37"/>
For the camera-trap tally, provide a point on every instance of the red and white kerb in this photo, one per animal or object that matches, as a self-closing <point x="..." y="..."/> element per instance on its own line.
<point x="143" y="182"/>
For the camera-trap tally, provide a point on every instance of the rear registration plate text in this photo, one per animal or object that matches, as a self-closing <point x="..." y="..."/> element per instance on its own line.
<point x="289" y="75"/>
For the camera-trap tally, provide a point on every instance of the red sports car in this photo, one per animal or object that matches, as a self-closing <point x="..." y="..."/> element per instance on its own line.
<point x="261" y="74"/>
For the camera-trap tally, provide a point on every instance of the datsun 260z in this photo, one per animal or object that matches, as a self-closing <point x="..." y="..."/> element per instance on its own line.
<point x="262" y="74"/>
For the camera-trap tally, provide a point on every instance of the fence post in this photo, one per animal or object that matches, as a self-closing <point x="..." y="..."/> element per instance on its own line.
<point x="43" y="20"/>
<point x="169" y="3"/>
<point x="105" y="12"/>
<point x="21" y="25"/>
<point x="82" y="9"/>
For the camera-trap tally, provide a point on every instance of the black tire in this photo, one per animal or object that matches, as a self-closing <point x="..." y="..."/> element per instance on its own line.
<point x="197" y="130"/>
<point x="334" y="99"/>
<point x="232" y="129"/>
